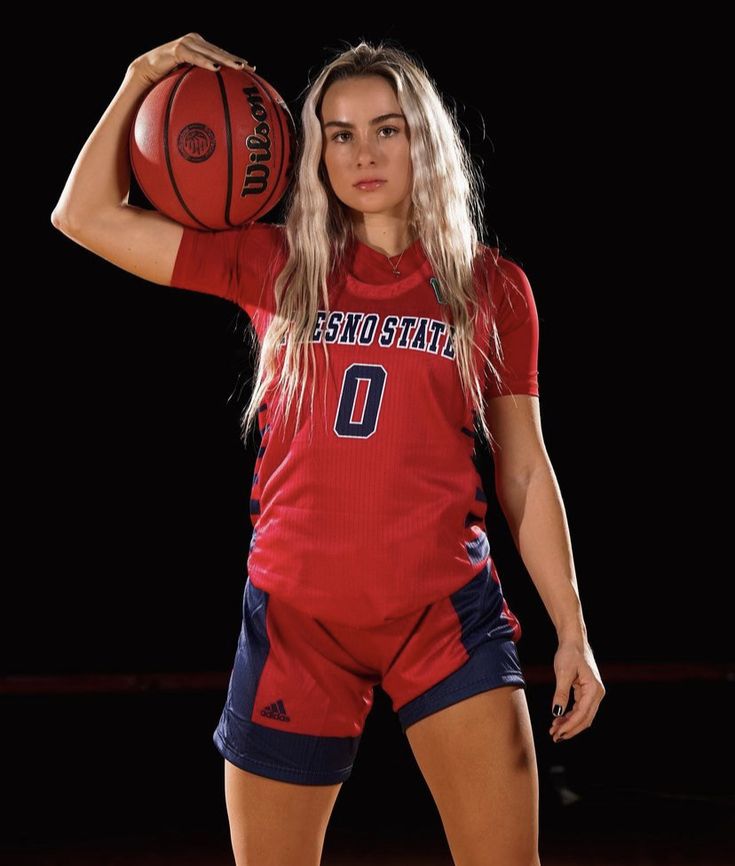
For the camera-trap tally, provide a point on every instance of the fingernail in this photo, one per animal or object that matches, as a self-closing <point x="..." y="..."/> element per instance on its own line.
<point x="557" y="710"/>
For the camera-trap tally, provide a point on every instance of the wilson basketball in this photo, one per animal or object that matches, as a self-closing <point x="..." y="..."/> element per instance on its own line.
<point x="213" y="149"/>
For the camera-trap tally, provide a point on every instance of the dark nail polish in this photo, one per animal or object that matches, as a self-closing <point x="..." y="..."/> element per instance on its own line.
<point x="558" y="710"/>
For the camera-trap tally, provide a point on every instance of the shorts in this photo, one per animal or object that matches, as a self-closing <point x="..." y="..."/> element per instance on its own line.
<point x="300" y="688"/>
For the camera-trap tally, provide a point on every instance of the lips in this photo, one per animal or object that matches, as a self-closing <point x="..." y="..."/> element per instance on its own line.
<point x="369" y="184"/>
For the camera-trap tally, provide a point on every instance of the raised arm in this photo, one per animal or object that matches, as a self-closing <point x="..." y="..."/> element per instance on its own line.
<point x="93" y="209"/>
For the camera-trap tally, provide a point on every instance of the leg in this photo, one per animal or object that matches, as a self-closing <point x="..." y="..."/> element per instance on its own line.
<point x="275" y="823"/>
<point x="295" y="712"/>
<point x="478" y="759"/>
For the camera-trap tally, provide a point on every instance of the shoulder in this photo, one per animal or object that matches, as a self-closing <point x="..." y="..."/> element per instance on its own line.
<point x="498" y="264"/>
<point x="275" y="229"/>
<point x="505" y="277"/>
<point x="263" y="246"/>
<point x="267" y="233"/>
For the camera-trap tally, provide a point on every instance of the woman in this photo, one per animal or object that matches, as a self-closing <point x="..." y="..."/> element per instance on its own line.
<point x="369" y="561"/>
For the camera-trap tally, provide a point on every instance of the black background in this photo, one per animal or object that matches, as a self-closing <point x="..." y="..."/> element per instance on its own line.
<point x="130" y="492"/>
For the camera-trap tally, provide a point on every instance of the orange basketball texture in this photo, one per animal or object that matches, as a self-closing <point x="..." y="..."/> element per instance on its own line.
<point x="213" y="150"/>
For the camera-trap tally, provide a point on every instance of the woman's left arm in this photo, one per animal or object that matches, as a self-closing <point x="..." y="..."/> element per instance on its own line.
<point x="529" y="496"/>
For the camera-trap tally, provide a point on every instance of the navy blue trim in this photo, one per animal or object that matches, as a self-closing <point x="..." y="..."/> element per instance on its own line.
<point x="265" y="750"/>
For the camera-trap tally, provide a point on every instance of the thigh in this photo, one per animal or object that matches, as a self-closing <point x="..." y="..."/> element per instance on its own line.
<point x="274" y="823"/>
<point x="478" y="759"/>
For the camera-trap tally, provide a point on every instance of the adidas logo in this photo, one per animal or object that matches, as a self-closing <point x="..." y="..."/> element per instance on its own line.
<point x="276" y="711"/>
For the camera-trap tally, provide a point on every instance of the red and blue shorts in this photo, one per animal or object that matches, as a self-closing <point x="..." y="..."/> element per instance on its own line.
<point x="301" y="688"/>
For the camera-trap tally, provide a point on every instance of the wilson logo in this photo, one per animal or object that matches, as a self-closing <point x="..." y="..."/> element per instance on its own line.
<point x="258" y="145"/>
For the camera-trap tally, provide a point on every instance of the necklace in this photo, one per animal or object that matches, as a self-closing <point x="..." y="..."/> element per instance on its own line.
<point x="395" y="267"/>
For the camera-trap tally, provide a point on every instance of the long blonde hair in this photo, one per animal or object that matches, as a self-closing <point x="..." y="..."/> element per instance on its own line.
<point x="446" y="213"/>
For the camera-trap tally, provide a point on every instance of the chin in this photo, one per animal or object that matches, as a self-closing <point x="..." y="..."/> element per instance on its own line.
<point x="373" y="203"/>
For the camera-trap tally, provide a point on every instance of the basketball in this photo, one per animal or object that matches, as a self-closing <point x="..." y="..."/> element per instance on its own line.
<point x="212" y="149"/>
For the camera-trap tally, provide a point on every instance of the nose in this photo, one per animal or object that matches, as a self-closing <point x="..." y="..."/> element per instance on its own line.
<point x="365" y="151"/>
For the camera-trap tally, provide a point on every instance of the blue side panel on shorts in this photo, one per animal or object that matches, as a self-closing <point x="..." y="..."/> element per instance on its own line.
<point x="486" y="635"/>
<point x="479" y="549"/>
<point x="289" y="757"/>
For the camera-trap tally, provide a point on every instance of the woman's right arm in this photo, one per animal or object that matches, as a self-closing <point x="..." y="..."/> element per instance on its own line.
<point x="93" y="209"/>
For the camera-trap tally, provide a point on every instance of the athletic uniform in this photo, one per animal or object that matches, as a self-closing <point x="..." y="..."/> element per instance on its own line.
<point x="369" y="561"/>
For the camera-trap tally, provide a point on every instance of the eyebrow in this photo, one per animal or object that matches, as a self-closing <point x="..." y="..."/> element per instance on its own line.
<point x="375" y="120"/>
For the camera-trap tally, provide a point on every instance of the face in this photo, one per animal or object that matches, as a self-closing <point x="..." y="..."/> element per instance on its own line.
<point x="355" y="147"/>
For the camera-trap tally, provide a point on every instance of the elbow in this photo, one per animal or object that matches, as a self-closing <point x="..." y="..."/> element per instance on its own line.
<point x="63" y="222"/>
<point x="522" y="475"/>
<point x="57" y="220"/>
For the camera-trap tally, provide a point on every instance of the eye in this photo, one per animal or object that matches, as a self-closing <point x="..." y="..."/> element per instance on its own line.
<point x="391" y="128"/>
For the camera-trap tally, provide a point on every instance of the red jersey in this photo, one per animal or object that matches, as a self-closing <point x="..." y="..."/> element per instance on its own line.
<point x="382" y="511"/>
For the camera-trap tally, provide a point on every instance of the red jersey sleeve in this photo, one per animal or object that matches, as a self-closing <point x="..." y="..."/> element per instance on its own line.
<point x="239" y="264"/>
<point x="518" y="328"/>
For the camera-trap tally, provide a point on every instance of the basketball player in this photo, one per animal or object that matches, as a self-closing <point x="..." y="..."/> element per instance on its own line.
<point x="386" y="332"/>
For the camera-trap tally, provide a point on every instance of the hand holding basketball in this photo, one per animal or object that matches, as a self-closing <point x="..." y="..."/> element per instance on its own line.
<point x="211" y="146"/>
<point x="192" y="48"/>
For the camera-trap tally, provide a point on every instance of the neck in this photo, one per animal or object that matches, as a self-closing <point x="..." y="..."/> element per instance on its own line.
<point x="389" y="242"/>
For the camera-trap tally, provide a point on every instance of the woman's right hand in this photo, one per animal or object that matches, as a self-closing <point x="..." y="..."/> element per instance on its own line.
<point x="193" y="49"/>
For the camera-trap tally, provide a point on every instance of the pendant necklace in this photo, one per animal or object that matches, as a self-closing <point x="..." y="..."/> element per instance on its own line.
<point x="395" y="267"/>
